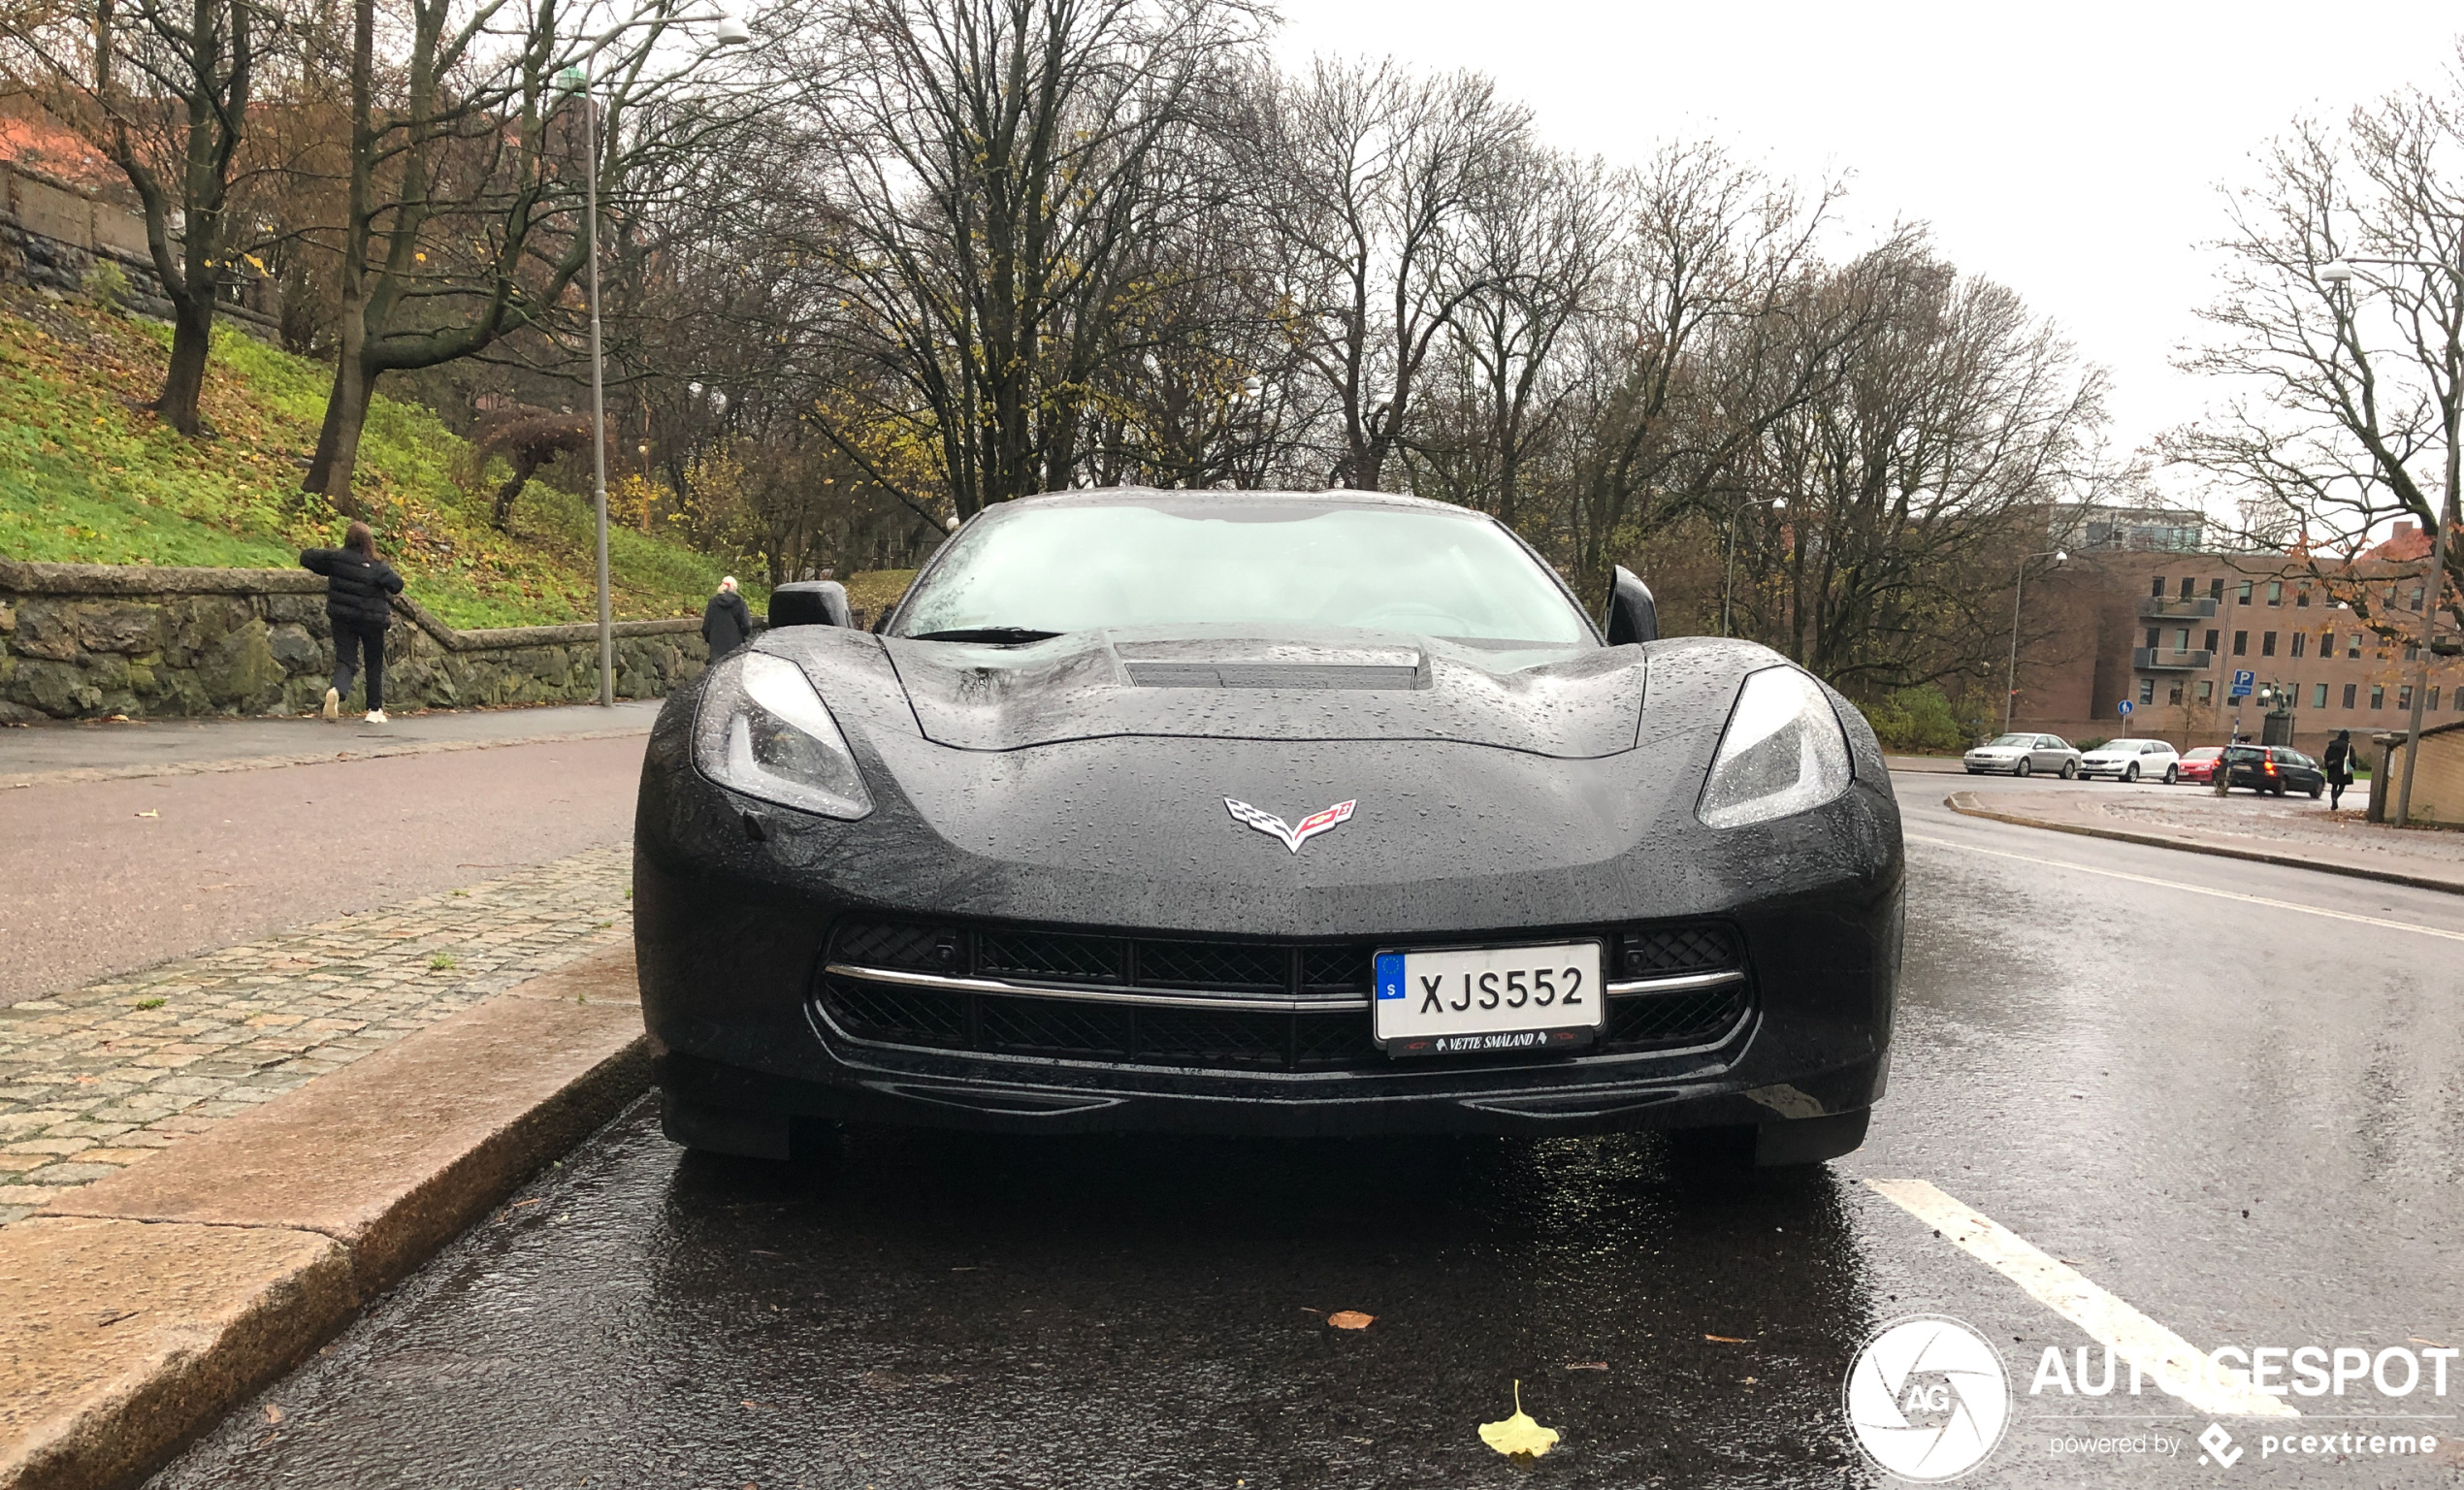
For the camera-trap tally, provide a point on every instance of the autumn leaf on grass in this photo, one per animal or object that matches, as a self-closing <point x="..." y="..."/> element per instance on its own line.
<point x="1518" y="1434"/>
<point x="1350" y="1319"/>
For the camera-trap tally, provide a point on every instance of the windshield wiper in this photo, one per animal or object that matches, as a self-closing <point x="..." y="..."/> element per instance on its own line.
<point x="1006" y="636"/>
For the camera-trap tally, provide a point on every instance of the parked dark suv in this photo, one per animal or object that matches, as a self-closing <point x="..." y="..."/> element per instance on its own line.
<point x="2270" y="768"/>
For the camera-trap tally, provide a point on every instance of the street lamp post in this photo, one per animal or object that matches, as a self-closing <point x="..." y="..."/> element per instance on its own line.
<point x="2019" y="589"/>
<point x="1728" y="562"/>
<point x="2339" y="274"/>
<point x="730" y="32"/>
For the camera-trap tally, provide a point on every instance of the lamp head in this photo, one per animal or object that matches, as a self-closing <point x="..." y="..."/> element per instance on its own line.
<point x="731" y="32"/>
<point x="2336" y="273"/>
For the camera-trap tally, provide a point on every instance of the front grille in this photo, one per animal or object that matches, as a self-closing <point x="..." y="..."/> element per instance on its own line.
<point x="1210" y="1039"/>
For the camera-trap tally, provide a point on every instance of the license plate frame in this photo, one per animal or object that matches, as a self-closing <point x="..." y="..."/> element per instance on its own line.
<point x="1396" y="980"/>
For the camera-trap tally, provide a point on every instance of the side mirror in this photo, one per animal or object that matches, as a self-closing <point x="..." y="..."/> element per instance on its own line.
<point x="809" y="603"/>
<point x="1632" y="615"/>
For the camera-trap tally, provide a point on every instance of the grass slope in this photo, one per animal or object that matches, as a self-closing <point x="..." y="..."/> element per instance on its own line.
<point x="86" y="477"/>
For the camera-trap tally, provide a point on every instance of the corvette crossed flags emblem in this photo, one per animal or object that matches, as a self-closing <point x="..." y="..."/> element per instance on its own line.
<point x="1291" y="837"/>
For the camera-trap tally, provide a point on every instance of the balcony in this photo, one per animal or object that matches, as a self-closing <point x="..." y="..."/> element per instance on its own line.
<point x="2158" y="608"/>
<point x="2167" y="659"/>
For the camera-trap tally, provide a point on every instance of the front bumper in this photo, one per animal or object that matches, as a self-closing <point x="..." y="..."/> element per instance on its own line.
<point x="735" y="903"/>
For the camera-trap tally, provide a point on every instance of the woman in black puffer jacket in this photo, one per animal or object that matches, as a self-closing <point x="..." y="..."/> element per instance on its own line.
<point x="358" y="591"/>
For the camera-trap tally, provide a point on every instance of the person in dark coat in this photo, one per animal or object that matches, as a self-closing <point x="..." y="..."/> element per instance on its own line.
<point x="728" y="622"/>
<point x="359" y="588"/>
<point x="2337" y="763"/>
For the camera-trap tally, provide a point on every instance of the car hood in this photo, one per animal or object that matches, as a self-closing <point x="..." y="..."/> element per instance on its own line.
<point x="1190" y="683"/>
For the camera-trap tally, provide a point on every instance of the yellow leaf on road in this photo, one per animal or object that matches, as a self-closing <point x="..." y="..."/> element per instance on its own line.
<point x="1518" y="1434"/>
<point x="1350" y="1319"/>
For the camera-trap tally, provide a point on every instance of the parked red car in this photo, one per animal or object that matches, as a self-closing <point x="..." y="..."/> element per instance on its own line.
<point x="2199" y="765"/>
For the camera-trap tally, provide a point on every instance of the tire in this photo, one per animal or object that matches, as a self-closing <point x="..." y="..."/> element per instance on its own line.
<point x="2070" y="771"/>
<point x="724" y="1130"/>
<point x="2130" y="774"/>
<point x="2023" y="769"/>
<point x="2172" y="774"/>
<point x="2317" y="789"/>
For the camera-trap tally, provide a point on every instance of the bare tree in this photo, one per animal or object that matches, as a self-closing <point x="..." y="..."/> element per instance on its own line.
<point x="164" y="90"/>
<point x="987" y="170"/>
<point x="2354" y="389"/>
<point x="1371" y="173"/>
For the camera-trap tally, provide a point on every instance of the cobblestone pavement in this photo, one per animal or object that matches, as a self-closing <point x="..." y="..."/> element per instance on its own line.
<point x="2293" y="820"/>
<point x="98" y="1079"/>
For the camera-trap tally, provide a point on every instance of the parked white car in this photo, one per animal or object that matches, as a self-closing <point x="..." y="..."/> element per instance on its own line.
<point x="2133" y="761"/>
<point x="2024" y="755"/>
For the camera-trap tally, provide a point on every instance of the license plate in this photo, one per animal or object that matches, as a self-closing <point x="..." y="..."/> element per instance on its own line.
<point x="1454" y="1000"/>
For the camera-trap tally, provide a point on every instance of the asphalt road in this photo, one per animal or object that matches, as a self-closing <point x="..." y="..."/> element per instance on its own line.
<point x="2224" y="1095"/>
<point x="105" y="876"/>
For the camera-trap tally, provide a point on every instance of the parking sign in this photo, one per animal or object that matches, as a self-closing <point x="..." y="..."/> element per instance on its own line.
<point x="2241" y="682"/>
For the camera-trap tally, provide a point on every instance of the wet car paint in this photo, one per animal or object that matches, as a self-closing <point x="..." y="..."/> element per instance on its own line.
<point x="2250" y="1150"/>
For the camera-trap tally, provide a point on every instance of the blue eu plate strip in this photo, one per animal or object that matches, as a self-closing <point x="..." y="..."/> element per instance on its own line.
<point x="1391" y="975"/>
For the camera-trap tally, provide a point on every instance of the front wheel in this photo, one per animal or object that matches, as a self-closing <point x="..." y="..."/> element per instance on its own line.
<point x="2317" y="789"/>
<point x="2070" y="771"/>
<point x="2130" y="774"/>
<point x="2023" y="769"/>
<point x="2172" y="774"/>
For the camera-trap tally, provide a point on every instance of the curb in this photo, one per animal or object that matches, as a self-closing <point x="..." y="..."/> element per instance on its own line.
<point x="136" y="1312"/>
<point x="1970" y="809"/>
<point x="65" y="775"/>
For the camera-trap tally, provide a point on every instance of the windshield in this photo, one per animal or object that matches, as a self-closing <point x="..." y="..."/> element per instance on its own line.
<point x="2027" y="741"/>
<point x="1036" y="571"/>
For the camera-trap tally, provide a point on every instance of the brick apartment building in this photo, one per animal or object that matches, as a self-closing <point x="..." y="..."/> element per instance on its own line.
<point x="2167" y="629"/>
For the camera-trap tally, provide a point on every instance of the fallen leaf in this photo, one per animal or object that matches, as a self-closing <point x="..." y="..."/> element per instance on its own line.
<point x="272" y="1413"/>
<point x="1350" y="1319"/>
<point x="1724" y="1340"/>
<point x="1518" y="1434"/>
<point x="149" y="813"/>
<point x="1586" y="1365"/>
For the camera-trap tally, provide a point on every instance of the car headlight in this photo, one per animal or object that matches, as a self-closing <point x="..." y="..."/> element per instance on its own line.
<point x="765" y="733"/>
<point x="1782" y="753"/>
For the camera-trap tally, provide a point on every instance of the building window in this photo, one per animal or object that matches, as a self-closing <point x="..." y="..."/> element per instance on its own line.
<point x="2348" y="688"/>
<point x="2147" y="690"/>
<point x="2216" y="589"/>
<point x="2173" y="694"/>
<point x="2412" y="654"/>
<point x="2300" y="640"/>
<point x="2275" y="592"/>
<point x="2352" y="648"/>
<point x="2152" y="638"/>
<point x="2186" y="583"/>
<point x="2211" y="640"/>
<point x="2301" y="599"/>
<point x="2267" y="644"/>
<point x="2241" y="643"/>
<point x="2207" y="689"/>
<point x="2181" y="638"/>
<point x="2159" y="590"/>
<point x="2326" y="643"/>
<point x="2377" y="696"/>
<point x="2404" y="697"/>
<point x="2434" y="701"/>
<point x="2242" y="596"/>
<point x="2318" y="697"/>
<point x="2415" y="598"/>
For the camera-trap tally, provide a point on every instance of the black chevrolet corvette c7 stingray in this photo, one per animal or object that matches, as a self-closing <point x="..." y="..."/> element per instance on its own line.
<point x="1242" y="812"/>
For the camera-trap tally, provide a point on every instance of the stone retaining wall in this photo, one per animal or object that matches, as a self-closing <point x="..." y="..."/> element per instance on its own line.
<point x="51" y="233"/>
<point x="84" y="640"/>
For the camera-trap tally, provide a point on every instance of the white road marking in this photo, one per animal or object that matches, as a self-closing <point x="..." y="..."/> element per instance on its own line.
<point x="2195" y="890"/>
<point x="2173" y="1364"/>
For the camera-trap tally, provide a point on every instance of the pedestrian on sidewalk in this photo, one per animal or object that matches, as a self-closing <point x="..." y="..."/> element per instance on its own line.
<point x="728" y="622"/>
<point x="2337" y="763"/>
<point x="359" y="588"/>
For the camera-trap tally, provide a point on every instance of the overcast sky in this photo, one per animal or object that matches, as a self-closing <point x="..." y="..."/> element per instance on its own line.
<point x="2072" y="153"/>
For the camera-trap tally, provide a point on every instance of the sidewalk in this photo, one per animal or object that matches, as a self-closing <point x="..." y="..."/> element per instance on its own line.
<point x="96" y="751"/>
<point x="2295" y="831"/>
<point x="94" y="1081"/>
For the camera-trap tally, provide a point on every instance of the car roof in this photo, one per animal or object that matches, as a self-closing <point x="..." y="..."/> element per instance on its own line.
<point x="1200" y="499"/>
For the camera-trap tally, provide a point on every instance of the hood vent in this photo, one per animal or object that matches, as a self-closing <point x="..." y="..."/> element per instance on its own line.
<point x="1349" y="676"/>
